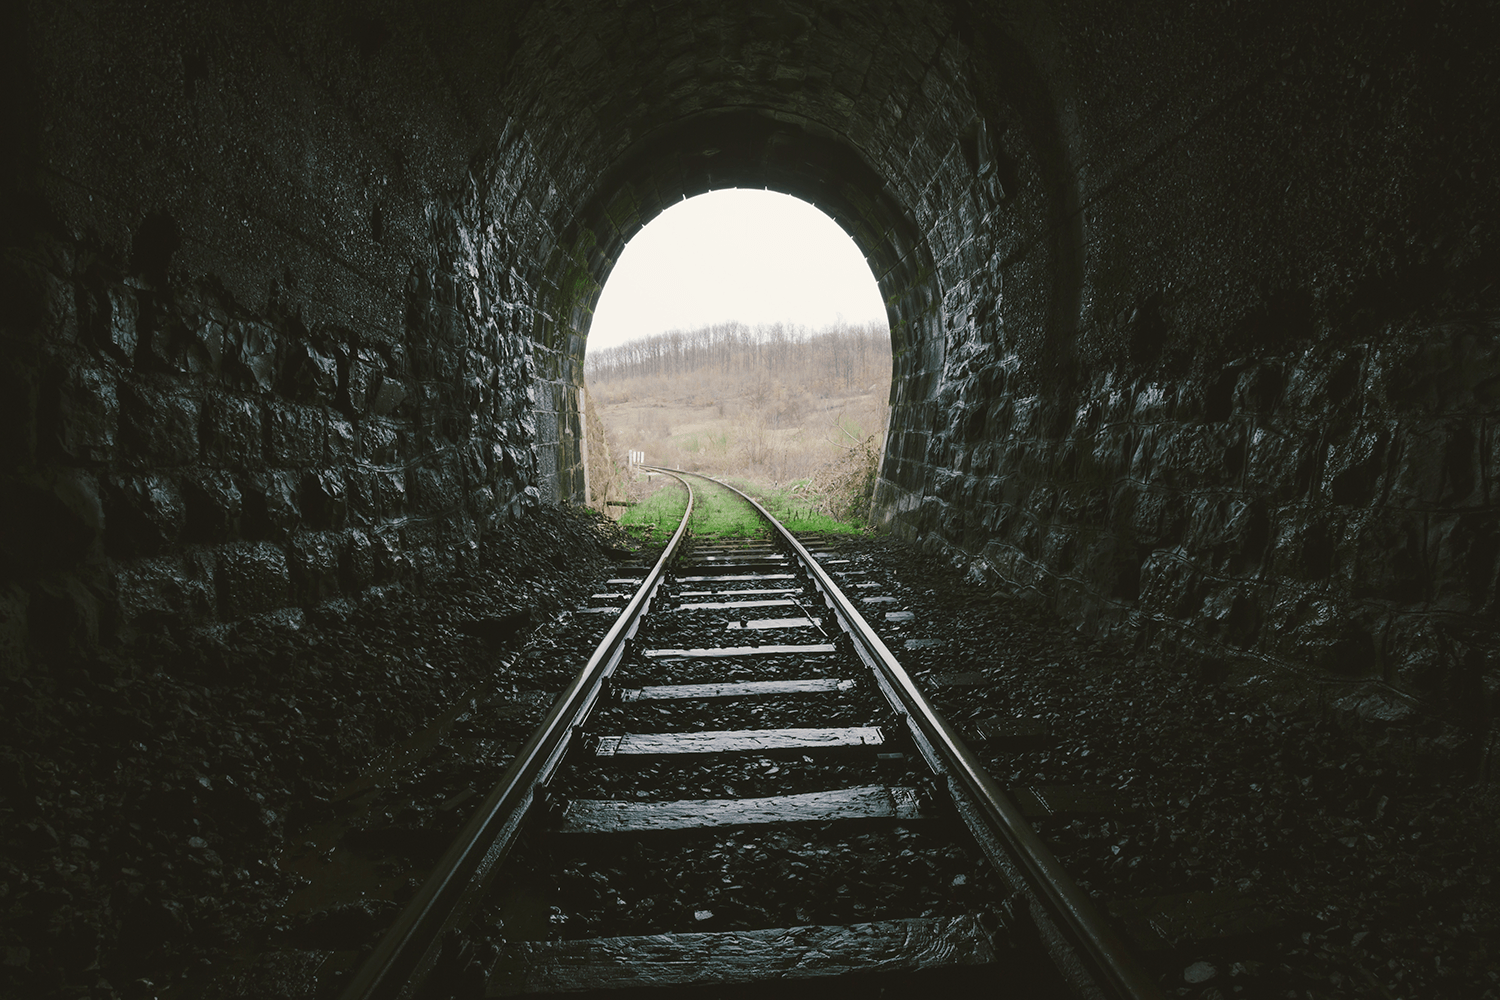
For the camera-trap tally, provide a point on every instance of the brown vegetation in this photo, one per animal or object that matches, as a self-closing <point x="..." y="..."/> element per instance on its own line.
<point x="774" y="404"/>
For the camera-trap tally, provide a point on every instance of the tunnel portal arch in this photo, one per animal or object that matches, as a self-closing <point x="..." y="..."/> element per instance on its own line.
<point x="315" y="321"/>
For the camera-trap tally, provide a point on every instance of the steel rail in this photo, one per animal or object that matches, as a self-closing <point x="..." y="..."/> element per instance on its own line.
<point x="1109" y="966"/>
<point x="408" y="949"/>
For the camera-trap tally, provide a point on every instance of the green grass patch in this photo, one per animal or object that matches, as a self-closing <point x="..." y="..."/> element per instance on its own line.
<point x="718" y="513"/>
<point x="796" y="506"/>
<point x="654" y="516"/>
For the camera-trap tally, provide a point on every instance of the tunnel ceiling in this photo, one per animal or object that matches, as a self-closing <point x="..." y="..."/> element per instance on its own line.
<point x="854" y="107"/>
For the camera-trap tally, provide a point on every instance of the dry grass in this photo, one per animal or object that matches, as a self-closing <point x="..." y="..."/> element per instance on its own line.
<point x="768" y="415"/>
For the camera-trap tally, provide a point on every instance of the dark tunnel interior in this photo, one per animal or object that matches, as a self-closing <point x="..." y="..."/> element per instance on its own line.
<point x="1194" y="306"/>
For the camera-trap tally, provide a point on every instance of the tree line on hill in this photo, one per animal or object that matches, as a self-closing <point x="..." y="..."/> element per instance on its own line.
<point x="842" y="357"/>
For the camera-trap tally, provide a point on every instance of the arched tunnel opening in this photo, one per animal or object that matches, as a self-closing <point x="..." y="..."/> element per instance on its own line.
<point x="1193" y="318"/>
<point x="740" y="333"/>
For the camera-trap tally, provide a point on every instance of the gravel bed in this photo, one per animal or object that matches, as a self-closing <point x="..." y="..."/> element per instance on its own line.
<point x="152" y="797"/>
<point x="760" y="877"/>
<point x="173" y="813"/>
<point x="1371" y="844"/>
<point x="709" y="670"/>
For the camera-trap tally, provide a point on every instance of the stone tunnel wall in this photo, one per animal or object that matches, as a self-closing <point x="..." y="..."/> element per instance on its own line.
<point x="1267" y="431"/>
<point x="261" y="349"/>
<point x="1193" y="305"/>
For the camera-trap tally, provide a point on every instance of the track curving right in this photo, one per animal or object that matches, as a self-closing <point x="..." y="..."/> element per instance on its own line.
<point x="742" y="787"/>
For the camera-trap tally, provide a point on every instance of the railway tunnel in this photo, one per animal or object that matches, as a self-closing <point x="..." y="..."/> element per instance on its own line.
<point x="1193" y="311"/>
<point x="1192" y="305"/>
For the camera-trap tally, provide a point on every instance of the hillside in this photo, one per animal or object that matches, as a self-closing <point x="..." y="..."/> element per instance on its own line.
<point x="770" y="403"/>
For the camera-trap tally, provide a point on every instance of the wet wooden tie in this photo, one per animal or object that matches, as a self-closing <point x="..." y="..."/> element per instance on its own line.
<point x="735" y="689"/>
<point x="714" y="652"/>
<point x="867" y="802"/>
<point x="739" y="741"/>
<point x="779" y="953"/>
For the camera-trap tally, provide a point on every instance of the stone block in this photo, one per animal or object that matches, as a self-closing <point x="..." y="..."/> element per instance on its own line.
<point x="1152" y="404"/>
<point x="380" y="442"/>
<point x="209" y="332"/>
<point x="1417" y="472"/>
<point x="1453" y="371"/>
<point x="341" y="446"/>
<point x="1321" y="383"/>
<point x="233" y="432"/>
<point x="1231" y="531"/>
<point x="1414" y="650"/>
<point x="251" y="578"/>
<point x="389" y="394"/>
<point x="115" y="325"/>
<point x="356" y="562"/>
<point x="390" y="559"/>
<point x="314" y="562"/>
<point x="1232" y="613"/>
<point x="309" y="375"/>
<point x="165" y="587"/>
<point x="296" y="435"/>
<point x="1305" y="544"/>
<point x="159" y="428"/>
<point x="144" y="514"/>
<point x="1464" y="550"/>
<point x="359" y="494"/>
<point x="481" y="458"/>
<point x="1355" y="467"/>
<point x="87" y="415"/>
<point x="1325" y="634"/>
<point x="362" y="381"/>
<point x="1058" y="547"/>
<point x="1171" y="586"/>
<point x="214" y="505"/>
<point x="1259" y="389"/>
<point x="483" y="502"/>
<point x="1197" y="457"/>
<point x="1388" y="556"/>
<point x="324" y="499"/>
<point x="270" y="504"/>
<point x="1158" y="518"/>
<point x="1280" y="459"/>
<point x="389" y="491"/>
<point x="172" y="345"/>
<point x="1143" y="460"/>
<point x="1111" y="449"/>
<point x="437" y="491"/>
<point x="429" y="550"/>
<point x="250" y="355"/>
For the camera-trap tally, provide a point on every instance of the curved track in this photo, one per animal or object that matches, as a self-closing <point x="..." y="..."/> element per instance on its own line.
<point x="733" y="686"/>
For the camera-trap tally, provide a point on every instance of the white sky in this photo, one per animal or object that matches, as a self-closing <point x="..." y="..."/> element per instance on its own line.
<point x="738" y="254"/>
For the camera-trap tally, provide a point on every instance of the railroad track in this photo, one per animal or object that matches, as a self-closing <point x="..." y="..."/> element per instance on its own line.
<point x="740" y="785"/>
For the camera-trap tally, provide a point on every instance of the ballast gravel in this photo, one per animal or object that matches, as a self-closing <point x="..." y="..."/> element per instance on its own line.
<point x="173" y="814"/>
